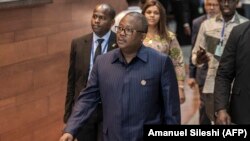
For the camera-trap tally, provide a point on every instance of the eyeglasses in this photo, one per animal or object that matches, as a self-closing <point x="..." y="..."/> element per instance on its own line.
<point x="127" y="31"/>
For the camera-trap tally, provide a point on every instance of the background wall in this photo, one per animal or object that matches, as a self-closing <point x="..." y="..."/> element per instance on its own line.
<point x="34" y="56"/>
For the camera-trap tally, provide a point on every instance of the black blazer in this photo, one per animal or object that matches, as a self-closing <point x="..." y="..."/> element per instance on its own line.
<point x="185" y="11"/>
<point x="79" y="68"/>
<point x="235" y="65"/>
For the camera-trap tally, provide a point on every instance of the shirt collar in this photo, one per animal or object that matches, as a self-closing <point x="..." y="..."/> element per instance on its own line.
<point x="235" y="19"/>
<point x="134" y="8"/>
<point x="105" y="37"/>
<point x="141" y="54"/>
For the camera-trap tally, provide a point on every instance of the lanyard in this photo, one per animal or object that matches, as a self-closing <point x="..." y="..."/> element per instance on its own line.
<point x="222" y="33"/>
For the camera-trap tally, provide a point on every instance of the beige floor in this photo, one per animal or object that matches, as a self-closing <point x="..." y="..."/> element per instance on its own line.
<point x="190" y="109"/>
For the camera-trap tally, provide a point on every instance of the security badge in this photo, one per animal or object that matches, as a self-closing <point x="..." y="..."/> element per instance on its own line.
<point x="143" y="82"/>
<point x="218" y="51"/>
<point x="200" y="10"/>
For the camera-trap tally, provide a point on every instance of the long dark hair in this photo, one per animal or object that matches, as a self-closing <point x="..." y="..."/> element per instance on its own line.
<point x="161" y="26"/>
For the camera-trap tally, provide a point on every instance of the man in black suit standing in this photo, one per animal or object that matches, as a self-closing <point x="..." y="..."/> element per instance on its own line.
<point x="210" y="43"/>
<point x="82" y="56"/>
<point x="234" y="65"/>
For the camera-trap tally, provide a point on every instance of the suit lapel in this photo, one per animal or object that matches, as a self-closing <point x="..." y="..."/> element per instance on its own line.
<point x="204" y="18"/>
<point x="87" y="45"/>
<point x="112" y="41"/>
<point x="86" y="51"/>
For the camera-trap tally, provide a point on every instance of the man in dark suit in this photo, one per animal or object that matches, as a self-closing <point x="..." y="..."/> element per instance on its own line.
<point x="136" y="84"/>
<point x="211" y="40"/>
<point x="234" y="67"/>
<point x="185" y="11"/>
<point x="199" y="74"/>
<point x="83" y="52"/>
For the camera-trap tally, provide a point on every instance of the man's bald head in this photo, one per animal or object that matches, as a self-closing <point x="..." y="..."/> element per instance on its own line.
<point x="108" y="9"/>
<point x="102" y="19"/>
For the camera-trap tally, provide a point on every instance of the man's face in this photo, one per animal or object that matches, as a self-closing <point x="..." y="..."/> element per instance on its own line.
<point x="101" y="22"/>
<point x="228" y="7"/>
<point x="212" y="7"/>
<point x="129" y="34"/>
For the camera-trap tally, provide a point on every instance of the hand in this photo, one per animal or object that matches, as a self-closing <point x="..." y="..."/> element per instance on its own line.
<point x="202" y="56"/>
<point x="191" y="82"/>
<point x="182" y="95"/>
<point x="66" y="137"/>
<point x="187" y="30"/>
<point x="223" y="118"/>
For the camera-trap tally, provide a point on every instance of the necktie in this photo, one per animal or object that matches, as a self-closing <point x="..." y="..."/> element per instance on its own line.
<point x="98" y="50"/>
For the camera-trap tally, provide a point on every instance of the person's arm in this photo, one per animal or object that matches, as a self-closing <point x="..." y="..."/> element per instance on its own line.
<point x="86" y="103"/>
<point x="170" y="95"/>
<point x="192" y="68"/>
<point x="176" y="55"/>
<point x="199" y="55"/>
<point x="70" y="85"/>
<point x="177" y="58"/>
<point x="186" y="12"/>
<point x="66" y="137"/>
<point x="192" y="72"/>
<point x="224" y="77"/>
<point x="195" y="29"/>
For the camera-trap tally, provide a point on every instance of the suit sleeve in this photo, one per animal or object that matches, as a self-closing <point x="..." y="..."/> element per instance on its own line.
<point x="177" y="7"/>
<point x="70" y="85"/>
<point x="226" y="72"/>
<point x="195" y="30"/>
<point x="192" y="67"/>
<point x="200" y="42"/>
<point x="170" y="94"/>
<point x="186" y="11"/>
<point x="86" y="103"/>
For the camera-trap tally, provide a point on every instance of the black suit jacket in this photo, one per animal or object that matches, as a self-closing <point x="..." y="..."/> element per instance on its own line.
<point x="235" y="65"/>
<point x="185" y="11"/>
<point x="79" y="68"/>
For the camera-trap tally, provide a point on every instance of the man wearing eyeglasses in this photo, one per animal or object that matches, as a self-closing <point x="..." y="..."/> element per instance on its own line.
<point x="136" y="84"/>
<point x="84" y="51"/>
<point x="210" y="44"/>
